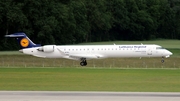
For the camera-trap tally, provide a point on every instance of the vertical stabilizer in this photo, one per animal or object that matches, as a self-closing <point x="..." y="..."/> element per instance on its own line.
<point x="23" y="40"/>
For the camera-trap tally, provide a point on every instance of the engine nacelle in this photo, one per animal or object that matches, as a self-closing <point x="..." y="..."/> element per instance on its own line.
<point x="47" y="48"/>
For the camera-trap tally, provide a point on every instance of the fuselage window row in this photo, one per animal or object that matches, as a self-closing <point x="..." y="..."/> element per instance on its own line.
<point x="101" y="49"/>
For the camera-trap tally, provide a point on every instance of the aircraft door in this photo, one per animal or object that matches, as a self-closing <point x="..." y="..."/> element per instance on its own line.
<point x="149" y="50"/>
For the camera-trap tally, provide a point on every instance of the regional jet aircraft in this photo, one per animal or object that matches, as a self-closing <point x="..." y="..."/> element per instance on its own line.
<point x="86" y="52"/>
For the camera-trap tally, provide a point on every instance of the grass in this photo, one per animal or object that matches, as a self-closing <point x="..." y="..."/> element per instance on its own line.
<point x="69" y="79"/>
<point x="10" y="53"/>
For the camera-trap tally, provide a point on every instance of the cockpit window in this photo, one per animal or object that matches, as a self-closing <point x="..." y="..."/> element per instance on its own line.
<point x="159" y="48"/>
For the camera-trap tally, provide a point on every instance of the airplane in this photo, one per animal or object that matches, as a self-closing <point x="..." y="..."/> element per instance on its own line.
<point x="87" y="52"/>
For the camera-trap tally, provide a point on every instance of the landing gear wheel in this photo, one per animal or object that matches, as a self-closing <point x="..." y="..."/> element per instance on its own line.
<point x="162" y="61"/>
<point x="83" y="63"/>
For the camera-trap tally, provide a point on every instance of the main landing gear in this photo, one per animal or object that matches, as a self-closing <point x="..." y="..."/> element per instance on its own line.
<point x="83" y="62"/>
<point x="162" y="61"/>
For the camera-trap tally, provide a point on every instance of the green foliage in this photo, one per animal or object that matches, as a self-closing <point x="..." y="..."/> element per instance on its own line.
<point x="76" y="21"/>
<point x="73" y="79"/>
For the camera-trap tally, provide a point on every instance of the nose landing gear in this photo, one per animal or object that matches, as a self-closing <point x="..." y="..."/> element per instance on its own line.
<point x="162" y="61"/>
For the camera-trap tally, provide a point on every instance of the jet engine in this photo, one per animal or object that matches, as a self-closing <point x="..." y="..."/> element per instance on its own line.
<point x="47" y="48"/>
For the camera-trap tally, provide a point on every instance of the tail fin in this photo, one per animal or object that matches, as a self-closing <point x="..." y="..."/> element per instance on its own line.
<point x="23" y="40"/>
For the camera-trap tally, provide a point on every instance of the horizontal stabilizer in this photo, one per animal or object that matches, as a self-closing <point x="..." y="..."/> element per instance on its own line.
<point x="16" y="35"/>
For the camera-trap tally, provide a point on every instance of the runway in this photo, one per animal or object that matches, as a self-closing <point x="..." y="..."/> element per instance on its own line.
<point x="86" y="96"/>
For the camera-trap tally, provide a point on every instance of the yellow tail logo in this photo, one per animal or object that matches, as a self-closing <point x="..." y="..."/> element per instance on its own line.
<point x="24" y="42"/>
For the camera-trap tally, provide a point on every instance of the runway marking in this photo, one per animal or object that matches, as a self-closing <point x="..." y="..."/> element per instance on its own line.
<point x="87" y="96"/>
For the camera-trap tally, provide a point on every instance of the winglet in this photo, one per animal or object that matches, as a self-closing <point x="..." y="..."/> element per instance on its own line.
<point x="23" y="40"/>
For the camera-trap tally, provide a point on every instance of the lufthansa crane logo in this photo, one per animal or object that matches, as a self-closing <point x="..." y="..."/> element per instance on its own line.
<point x="24" y="42"/>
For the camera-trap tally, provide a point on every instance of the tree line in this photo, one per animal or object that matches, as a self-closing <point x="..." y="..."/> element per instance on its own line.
<point x="76" y="21"/>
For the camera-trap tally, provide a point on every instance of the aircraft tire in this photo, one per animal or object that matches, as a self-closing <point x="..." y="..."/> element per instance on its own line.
<point x="82" y="63"/>
<point x="85" y="63"/>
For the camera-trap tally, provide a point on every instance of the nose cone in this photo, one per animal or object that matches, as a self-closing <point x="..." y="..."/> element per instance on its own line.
<point x="168" y="53"/>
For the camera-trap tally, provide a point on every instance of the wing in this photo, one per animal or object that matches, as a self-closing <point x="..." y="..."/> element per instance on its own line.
<point x="82" y="56"/>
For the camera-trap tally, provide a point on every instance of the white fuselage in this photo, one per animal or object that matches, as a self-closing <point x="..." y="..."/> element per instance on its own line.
<point x="76" y="52"/>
